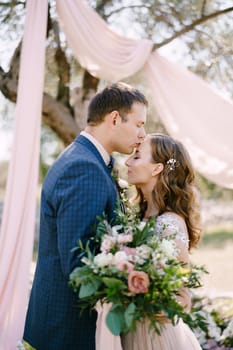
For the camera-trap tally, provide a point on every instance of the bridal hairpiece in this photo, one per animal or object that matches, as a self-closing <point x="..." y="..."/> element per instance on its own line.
<point x="172" y="164"/>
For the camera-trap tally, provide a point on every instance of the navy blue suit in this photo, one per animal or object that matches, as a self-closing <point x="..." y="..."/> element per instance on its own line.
<point x="76" y="189"/>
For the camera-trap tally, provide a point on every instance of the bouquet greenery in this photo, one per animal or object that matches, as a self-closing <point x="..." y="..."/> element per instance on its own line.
<point x="136" y="272"/>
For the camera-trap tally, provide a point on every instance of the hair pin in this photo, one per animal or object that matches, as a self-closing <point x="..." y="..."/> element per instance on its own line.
<point x="172" y="164"/>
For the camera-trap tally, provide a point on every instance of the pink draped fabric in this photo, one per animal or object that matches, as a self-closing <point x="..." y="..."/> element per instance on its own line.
<point x="104" y="338"/>
<point x="17" y="229"/>
<point x="196" y="115"/>
<point x="188" y="107"/>
<point x="102" y="52"/>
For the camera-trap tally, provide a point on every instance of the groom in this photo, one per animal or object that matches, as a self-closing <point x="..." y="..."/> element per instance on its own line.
<point x="76" y="190"/>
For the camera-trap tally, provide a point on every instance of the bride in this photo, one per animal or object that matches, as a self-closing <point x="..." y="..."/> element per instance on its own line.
<point x="163" y="175"/>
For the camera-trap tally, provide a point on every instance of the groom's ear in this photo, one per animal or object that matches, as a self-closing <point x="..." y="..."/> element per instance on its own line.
<point x="157" y="169"/>
<point x="114" y="118"/>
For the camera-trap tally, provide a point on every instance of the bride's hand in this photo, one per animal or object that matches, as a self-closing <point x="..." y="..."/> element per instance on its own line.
<point x="162" y="318"/>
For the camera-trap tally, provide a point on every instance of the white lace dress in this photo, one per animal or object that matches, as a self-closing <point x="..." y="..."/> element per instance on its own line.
<point x="179" y="337"/>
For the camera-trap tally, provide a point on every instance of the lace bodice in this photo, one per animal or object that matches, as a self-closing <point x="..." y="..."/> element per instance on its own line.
<point x="168" y="224"/>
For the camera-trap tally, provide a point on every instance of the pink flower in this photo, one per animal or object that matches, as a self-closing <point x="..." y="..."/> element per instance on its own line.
<point x="107" y="244"/>
<point x="125" y="266"/>
<point x="128" y="250"/>
<point x="122" y="238"/>
<point x="138" y="282"/>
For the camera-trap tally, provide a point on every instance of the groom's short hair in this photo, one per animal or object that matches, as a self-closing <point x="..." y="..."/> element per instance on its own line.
<point x="116" y="97"/>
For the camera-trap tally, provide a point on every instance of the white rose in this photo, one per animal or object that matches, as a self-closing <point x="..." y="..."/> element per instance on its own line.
<point x="119" y="257"/>
<point x="168" y="248"/>
<point x="103" y="259"/>
<point x="115" y="230"/>
<point x="143" y="251"/>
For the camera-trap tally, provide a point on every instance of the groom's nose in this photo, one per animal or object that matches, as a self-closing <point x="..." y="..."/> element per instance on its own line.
<point x="142" y="134"/>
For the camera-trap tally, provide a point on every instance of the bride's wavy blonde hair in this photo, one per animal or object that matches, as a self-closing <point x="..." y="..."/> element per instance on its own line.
<point x="175" y="190"/>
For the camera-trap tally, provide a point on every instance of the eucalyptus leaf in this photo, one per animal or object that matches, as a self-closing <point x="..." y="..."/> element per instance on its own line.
<point x="86" y="290"/>
<point x="114" y="283"/>
<point x="129" y="314"/>
<point x="115" y="320"/>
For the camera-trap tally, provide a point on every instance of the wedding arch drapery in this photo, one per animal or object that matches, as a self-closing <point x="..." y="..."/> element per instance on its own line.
<point x="183" y="101"/>
<point x="196" y="115"/>
<point x="17" y="230"/>
<point x="190" y="109"/>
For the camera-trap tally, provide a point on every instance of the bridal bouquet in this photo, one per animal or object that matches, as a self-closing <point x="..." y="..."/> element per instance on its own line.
<point x="136" y="272"/>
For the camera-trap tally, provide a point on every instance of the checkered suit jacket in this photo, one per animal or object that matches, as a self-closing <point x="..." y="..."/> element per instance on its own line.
<point x="77" y="188"/>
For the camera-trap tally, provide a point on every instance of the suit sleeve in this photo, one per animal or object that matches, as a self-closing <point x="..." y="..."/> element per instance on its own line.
<point x="82" y="195"/>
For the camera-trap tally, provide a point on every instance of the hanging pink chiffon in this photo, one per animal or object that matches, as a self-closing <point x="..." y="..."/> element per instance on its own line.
<point x="196" y="115"/>
<point x="18" y="221"/>
<point x="189" y="108"/>
<point x="104" y="338"/>
<point x="102" y="52"/>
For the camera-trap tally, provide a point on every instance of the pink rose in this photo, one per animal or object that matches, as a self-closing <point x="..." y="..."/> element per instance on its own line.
<point x="125" y="266"/>
<point x="138" y="282"/>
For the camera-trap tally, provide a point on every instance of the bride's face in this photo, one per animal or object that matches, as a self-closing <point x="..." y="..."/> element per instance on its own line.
<point x="140" y="167"/>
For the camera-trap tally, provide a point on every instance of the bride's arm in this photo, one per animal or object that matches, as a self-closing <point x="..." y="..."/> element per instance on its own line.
<point x="184" y="297"/>
<point x="175" y="225"/>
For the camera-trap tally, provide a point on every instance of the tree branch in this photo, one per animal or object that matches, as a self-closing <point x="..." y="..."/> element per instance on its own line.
<point x="59" y="119"/>
<point x="126" y="8"/>
<point x="203" y="8"/>
<point x="10" y="4"/>
<point x="63" y="70"/>
<point x="55" y="114"/>
<point x="192" y="25"/>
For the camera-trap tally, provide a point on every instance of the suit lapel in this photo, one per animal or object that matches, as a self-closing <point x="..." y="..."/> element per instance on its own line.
<point x="89" y="145"/>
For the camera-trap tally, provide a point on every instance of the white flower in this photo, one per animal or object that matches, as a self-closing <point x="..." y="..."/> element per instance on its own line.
<point x="115" y="230"/>
<point x="168" y="248"/>
<point x="86" y="261"/>
<point x="141" y="225"/>
<point x="123" y="183"/>
<point x="103" y="259"/>
<point x="143" y="251"/>
<point x="228" y="332"/>
<point x="20" y="346"/>
<point x="201" y="336"/>
<point x="119" y="257"/>
<point x="213" y="330"/>
<point x="156" y="257"/>
<point x="138" y="260"/>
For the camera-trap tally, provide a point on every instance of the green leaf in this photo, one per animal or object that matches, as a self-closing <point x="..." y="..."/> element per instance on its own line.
<point x="114" y="283"/>
<point x="86" y="290"/>
<point x="129" y="314"/>
<point x="115" y="320"/>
